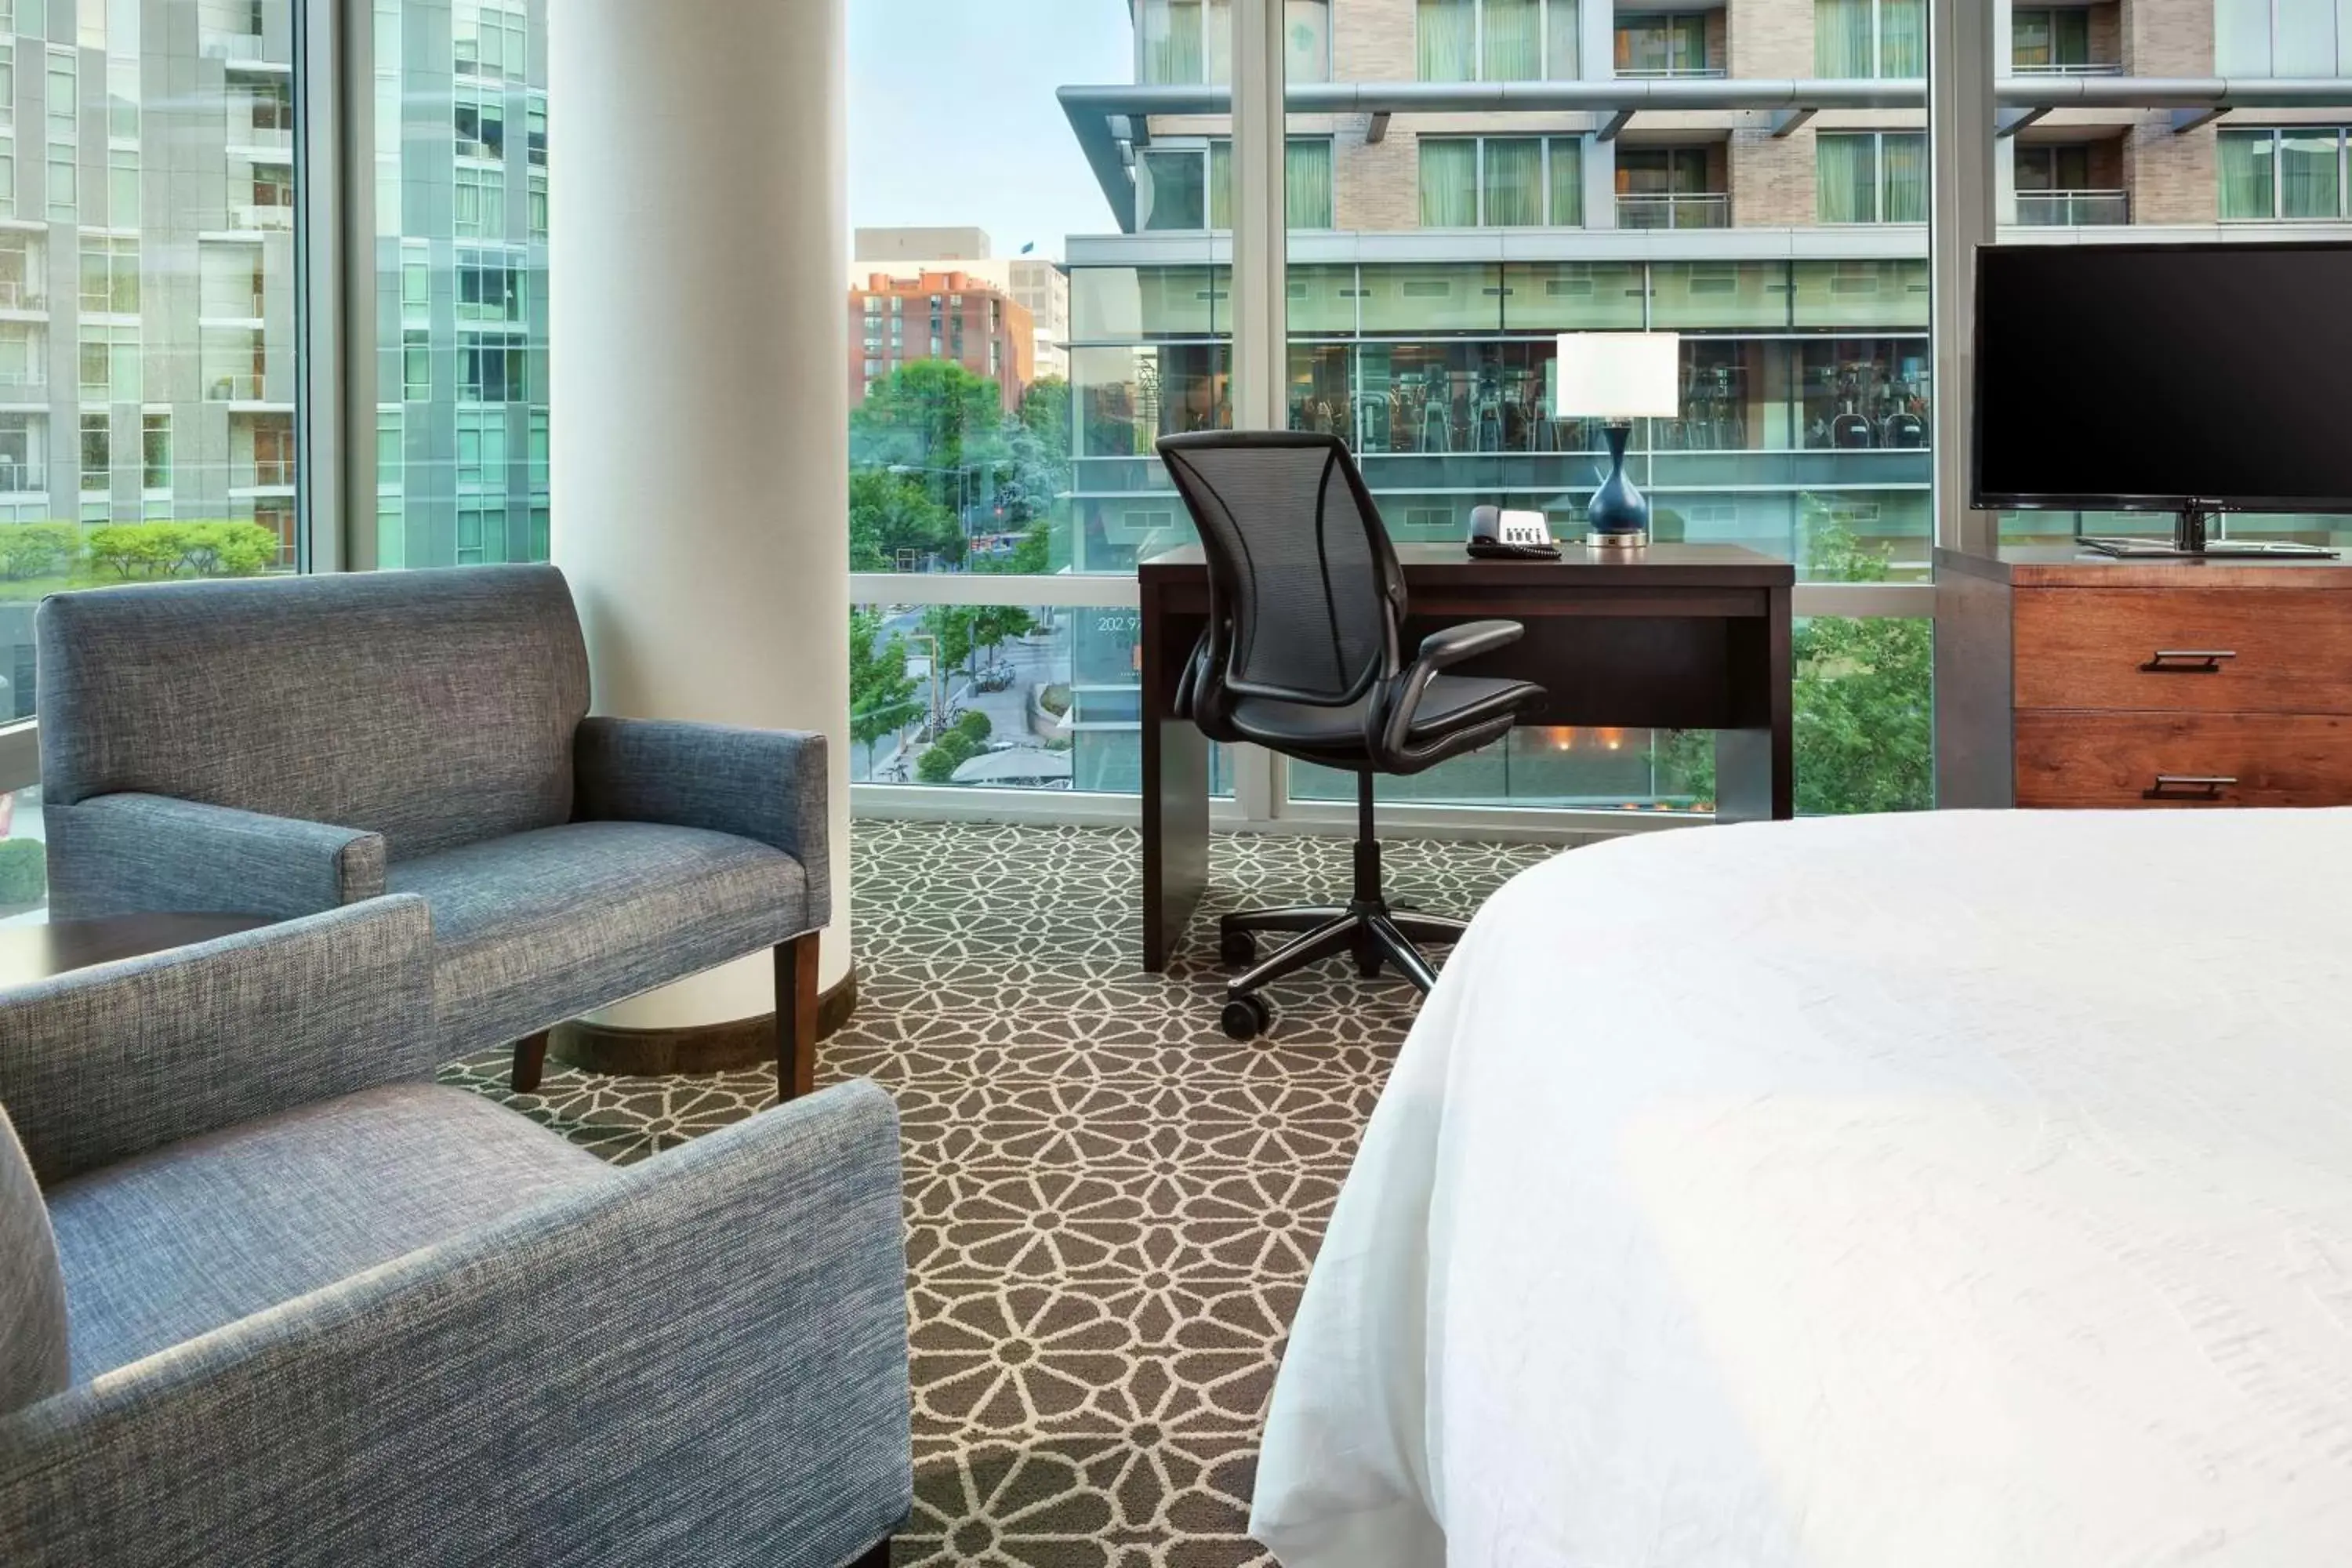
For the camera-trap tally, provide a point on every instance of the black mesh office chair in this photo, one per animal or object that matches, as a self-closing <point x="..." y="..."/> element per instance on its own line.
<point x="1302" y="656"/>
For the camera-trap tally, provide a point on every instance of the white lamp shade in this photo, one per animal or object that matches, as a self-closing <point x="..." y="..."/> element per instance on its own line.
<point x="1619" y="375"/>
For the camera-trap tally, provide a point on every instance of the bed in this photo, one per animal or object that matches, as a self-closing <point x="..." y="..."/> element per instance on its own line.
<point x="1957" y="1191"/>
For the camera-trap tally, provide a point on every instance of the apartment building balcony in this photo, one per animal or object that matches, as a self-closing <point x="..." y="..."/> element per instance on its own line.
<point x="2072" y="209"/>
<point x="18" y="477"/>
<point x="1707" y="209"/>
<point x="262" y="219"/>
<point x="2069" y="68"/>
<point x="1674" y="73"/>
<point x="235" y="389"/>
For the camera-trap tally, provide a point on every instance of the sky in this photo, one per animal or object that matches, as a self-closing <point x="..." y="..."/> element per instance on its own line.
<point x="953" y="118"/>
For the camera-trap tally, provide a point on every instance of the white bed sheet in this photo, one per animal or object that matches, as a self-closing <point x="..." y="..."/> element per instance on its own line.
<point x="1957" y="1191"/>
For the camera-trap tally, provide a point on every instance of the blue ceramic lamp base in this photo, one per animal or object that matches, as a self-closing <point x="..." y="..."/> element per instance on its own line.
<point x="1620" y="514"/>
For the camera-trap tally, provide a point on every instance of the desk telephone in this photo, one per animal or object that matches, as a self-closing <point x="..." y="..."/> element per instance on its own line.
<point x="1499" y="535"/>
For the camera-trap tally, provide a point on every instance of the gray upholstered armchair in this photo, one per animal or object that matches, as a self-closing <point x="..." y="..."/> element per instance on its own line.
<point x="280" y="748"/>
<point x="269" y="1295"/>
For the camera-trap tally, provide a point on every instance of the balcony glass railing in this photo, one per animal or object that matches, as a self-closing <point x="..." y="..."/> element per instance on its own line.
<point x="2071" y="68"/>
<point x="1710" y="209"/>
<point x="2072" y="209"/>
<point x="1671" y="73"/>
<point x="233" y="389"/>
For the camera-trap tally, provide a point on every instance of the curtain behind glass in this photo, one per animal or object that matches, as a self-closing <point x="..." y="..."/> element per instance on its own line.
<point x="1514" y="182"/>
<point x="1904" y="166"/>
<point x="1218" y="41"/>
<point x="1841" y="38"/>
<point x="1514" y="43"/>
<point x="1902" y="37"/>
<point x="1307" y="35"/>
<point x="1568" y="182"/>
<point x="1845" y="177"/>
<point x="1307" y="184"/>
<point x="1565" y="42"/>
<point x="1171" y="40"/>
<point x="1447" y="40"/>
<point x="1220" y="185"/>
<point x="2307" y="175"/>
<point x="1449" y="183"/>
<point x="2246" y="174"/>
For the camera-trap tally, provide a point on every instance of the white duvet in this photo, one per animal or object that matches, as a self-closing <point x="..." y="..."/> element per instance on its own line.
<point x="1957" y="1191"/>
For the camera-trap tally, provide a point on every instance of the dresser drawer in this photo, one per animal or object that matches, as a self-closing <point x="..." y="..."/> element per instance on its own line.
<point x="2189" y="759"/>
<point x="2184" y="650"/>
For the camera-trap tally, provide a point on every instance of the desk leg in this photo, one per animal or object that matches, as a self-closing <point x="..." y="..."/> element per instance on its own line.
<point x="1175" y="833"/>
<point x="1756" y="764"/>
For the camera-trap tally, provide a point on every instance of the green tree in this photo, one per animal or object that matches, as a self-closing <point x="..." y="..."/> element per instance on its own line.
<point x="882" y="699"/>
<point x="991" y="625"/>
<point x="1864" y="715"/>
<point x="932" y="414"/>
<point x="975" y="724"/>
<point x="893" y="512"/>
<point x="952" y="624"/>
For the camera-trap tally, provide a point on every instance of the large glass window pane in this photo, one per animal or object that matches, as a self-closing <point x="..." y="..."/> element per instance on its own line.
<point x="1512" y="41"/>
<point x="1514" y="182"/>
<point x="2309" y="173"/>
<point x="461" y="279"/>
<point x="1172" y="188"/>
<point x="1845" y="38"/>
<point x="1845" y="168"/>
<point x="2248" y="179"/>
<point x="147" y="340"/>
<point x="1563" y="41"/>
<point x="1568" y="182"/>
<point x="1307" y="184"/>
<point x="1449" y="183"/>
<point x="1445" y="39"/>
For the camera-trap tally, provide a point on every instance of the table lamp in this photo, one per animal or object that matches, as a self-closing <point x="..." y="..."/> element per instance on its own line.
<point x="1618" y="377"/>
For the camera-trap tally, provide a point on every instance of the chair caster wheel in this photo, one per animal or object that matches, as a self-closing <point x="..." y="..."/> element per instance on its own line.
<point x="1237" y="948"/>
<point x="1246" y="1018"/>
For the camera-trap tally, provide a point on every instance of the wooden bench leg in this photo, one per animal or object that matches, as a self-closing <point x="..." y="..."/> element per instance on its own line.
<point x="529" y="1063"/>
<point x="796" y="1017"/>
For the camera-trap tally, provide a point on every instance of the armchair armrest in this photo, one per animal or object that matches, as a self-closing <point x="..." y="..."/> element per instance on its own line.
<point x="1444" y="649"/>
<point x="139" y="854"/>
<point x="106" y="1063"/>
<point x="705" y="1354"/>
<point x="766" y="784"/>
<point x="1388" y="722"/>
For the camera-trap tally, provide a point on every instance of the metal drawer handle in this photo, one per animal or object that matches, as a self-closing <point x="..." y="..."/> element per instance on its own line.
<point x="2189" y="660"/>
<point x="2169" y="785"/>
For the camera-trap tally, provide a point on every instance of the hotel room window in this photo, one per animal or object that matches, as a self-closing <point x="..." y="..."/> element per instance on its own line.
<point x="155" y="452"/>
<point x="1870" y="38"/>
<point x="1665" y="44"/>
<point x="1189" y="42"/>
<point x="2287" y="174"/>
<point x="2051" y="40"/>
<point x="1494" y="40"/>
<point x="1871" y="177"/>
<point x="97" y="453"/>
<point x="1499" y="182"/>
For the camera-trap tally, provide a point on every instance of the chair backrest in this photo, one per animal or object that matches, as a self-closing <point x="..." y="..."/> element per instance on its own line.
<point x="435" y="708"/>
<point x="1304" y="585"/>
<point x="34" y="1363"/>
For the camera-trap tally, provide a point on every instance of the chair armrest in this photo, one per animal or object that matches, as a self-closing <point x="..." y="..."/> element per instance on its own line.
<point x="1444" y="649"/>
<point x="1388" y="723"/>
<point x="148" y="854"/>
<point x="767" y="785"/>
<point x="106" y="1063"/>
<point x="703" y="1356"/>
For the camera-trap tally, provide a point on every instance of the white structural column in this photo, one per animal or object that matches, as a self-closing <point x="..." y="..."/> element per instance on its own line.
<point x="699" y="444"/>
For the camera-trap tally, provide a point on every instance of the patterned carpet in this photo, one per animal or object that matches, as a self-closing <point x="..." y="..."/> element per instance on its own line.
<point x="1112" y="1208"/>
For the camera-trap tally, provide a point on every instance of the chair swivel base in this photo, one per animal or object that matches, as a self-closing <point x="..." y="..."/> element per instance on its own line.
<point x="1366" y="928"/>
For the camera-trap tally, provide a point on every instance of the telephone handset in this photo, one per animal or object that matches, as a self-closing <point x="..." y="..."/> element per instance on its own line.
<point x="1499" y="535"/>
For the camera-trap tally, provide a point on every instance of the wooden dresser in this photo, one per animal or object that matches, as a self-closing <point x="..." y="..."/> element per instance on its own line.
<point x="2066" y="680"/>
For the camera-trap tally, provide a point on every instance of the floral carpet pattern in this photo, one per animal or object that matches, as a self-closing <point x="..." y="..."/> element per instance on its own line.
<point x="1112" y="1208"/>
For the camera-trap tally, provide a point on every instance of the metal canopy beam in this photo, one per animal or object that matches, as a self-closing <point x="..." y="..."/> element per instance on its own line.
<point x="1617" y="121"/>
<point x="2012" y="120"/>
<point x="2184" y="121"/>
<point x="1789" y="121"/>
<point x="1376" y="128"/>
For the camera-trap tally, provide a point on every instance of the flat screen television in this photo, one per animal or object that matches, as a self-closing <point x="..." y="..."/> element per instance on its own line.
<point x="2189" y="379"/>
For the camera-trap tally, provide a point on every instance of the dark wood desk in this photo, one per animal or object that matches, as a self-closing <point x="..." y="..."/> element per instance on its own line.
<point x="1684" y="637"/>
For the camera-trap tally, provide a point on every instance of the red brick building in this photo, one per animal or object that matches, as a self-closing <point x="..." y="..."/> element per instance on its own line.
<point x="897" y="322"/>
